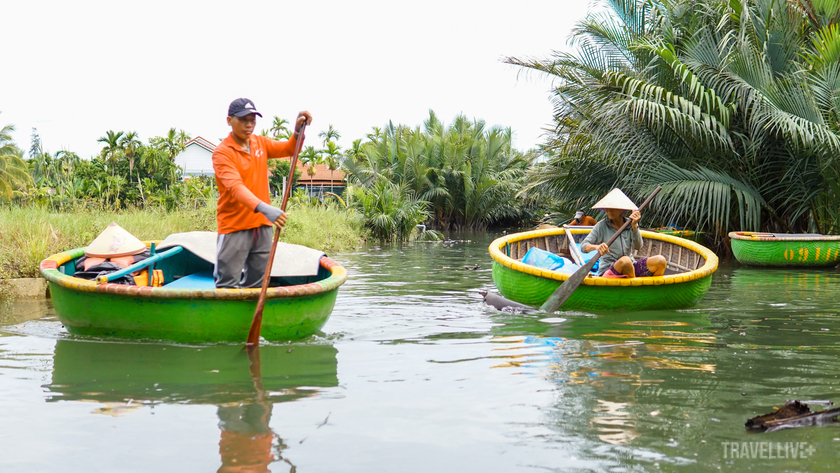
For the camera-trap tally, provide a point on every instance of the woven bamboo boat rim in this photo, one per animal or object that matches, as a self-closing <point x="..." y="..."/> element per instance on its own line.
<point x="709" y="267"/>
<point x="49" y="269"/>
<point x="758" y="236"/>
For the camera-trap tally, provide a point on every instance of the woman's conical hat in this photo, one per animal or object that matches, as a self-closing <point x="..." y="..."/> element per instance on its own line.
<point x="615" y="200"/>
<point x="114" y="241"/>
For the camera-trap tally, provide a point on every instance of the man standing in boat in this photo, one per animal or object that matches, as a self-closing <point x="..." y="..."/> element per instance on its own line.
<point x="582" y="219"/>
<point x="617" y="259"/>
<point x="244" y="213"/>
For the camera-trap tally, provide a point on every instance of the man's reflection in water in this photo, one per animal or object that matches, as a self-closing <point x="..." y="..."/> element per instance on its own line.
<point x="246" y="443"/>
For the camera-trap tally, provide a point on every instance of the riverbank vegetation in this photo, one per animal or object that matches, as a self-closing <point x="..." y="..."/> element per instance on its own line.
<point x="462" y="177"/>
<point x="30" y="234"/>
<point x="730" y="105"/>
<point x="400" y="180"/>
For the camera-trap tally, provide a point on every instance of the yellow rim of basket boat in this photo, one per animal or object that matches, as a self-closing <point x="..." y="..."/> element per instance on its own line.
<point x="707" y="269"/>
<point x="49" y="269"/>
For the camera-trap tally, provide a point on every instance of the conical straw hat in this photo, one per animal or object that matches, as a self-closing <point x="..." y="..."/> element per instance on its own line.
<point x="114" y="241"/>
<point x="615" y="200"/>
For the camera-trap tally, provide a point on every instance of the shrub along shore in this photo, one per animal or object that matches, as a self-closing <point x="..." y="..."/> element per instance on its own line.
<point x="30" y="234"/>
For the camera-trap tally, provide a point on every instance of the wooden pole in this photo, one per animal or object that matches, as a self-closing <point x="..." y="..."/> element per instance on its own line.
<point x="256" y="324"/>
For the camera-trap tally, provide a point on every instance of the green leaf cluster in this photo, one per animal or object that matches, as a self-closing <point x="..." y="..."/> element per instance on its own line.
<point x="464" y="176"/>
<point x="13" y="172"/>
<point x="732" y="106"/>
<point x="127" y="172"/>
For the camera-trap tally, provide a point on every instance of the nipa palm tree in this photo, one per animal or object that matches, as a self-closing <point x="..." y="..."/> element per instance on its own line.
<point x="727" y="104"/>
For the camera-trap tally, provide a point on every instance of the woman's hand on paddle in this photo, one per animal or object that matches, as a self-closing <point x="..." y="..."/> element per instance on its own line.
<point x="603" y="249"/>
<point x="281" y="220"/>
<point x="635" y="216"/>
<point x="303" y="117"/>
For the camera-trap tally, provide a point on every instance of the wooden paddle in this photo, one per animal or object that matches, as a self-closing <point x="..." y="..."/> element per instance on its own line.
<point x="256" y="324"/>
<point x="568" y="287"/>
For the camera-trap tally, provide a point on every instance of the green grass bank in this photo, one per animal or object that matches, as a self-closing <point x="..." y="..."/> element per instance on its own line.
<point x="30" y="234"/>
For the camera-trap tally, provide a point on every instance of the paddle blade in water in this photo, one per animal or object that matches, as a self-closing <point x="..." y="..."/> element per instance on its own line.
<point x="567" y="288"/>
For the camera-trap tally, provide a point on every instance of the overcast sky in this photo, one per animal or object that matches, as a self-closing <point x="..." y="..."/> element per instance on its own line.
<point x="74" y="70"/>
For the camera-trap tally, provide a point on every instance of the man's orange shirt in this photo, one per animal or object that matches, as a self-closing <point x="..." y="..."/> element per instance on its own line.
<point x="242" y="179"/>
<point x="585" y="221"/>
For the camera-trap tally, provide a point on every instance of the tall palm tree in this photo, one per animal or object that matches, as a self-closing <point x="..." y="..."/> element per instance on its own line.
<point x="310" y="157"/>
<point x="130" y="144"/>
<point x="172" y="144"/>
<point x="329" y="135"/>
<point x="279" y="129"/>
<point x="183" y="137"/>
<point x="332" y="157"/>
<point x="111" y="151"/>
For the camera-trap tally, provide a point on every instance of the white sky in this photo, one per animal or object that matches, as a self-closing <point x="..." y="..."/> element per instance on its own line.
<point x="76" y="69"/>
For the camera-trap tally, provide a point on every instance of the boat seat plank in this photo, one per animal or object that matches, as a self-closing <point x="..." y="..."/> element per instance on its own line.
<point x="289" y="260"/>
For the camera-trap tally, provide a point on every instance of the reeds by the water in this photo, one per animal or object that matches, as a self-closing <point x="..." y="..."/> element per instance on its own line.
<point x="30" y="234"/>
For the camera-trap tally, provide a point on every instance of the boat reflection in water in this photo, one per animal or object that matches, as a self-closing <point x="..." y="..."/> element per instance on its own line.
<point x="124" y="377"/>
<point x="617" y="363"/>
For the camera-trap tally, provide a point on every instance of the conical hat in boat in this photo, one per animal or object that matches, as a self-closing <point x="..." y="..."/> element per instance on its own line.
<point x="114" y="241"/>
<point x="615" y="200"/>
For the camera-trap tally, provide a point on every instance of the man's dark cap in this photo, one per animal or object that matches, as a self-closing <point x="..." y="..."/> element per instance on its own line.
<point x="241" y="107"/>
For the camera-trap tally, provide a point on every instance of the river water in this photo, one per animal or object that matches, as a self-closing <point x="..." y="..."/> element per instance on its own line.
<point x="412" y="373"/>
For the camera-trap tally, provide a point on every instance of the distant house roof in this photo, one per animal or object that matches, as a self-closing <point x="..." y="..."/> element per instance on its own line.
<point x="322" y="175"/>
<point x="201" y="142"/>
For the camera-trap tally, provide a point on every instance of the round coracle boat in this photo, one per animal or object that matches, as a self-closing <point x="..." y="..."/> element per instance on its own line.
<point x="785" y="249"/>
<point x="187" y="307"/>
<point x="687" y="234"/>
<point x="686" y="280"/>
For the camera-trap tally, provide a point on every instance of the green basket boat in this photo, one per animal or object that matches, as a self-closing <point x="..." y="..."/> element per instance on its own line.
<point x="297" y="308"/>
<point x="686" y="280"/>
<point x="687" y="234"/>
<point x="785" y="249"/>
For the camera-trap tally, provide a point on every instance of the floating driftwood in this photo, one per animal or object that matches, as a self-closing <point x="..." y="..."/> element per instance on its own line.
<point x="792" y="415"/>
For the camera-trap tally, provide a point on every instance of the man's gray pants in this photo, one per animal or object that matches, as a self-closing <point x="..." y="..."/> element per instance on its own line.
<point x="241" y="257"/>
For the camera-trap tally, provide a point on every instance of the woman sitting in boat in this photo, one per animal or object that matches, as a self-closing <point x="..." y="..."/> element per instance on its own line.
<point x="617" y="259"/>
